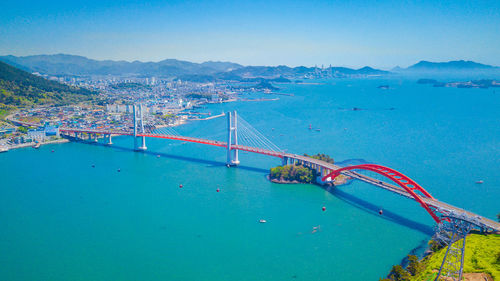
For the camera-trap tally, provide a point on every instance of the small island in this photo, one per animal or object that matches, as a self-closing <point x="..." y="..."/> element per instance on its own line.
<point x="297" y="173"/>
<point x="481" y="84"/>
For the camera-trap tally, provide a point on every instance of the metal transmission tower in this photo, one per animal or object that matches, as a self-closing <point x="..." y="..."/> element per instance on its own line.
<point x="452" y="233"/>
<point x="139" y="127"/>
<point x="232" y="139"/>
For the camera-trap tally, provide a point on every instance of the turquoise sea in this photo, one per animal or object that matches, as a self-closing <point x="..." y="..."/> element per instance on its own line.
<point x="61" y="219"/>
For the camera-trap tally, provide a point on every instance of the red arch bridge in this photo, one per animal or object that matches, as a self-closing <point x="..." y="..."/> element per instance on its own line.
<point x="453" y="223"/>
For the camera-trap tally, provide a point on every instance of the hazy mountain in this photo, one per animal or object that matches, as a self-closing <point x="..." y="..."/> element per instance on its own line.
<point x="222" y="66"/>
<point x="68" y="65"/>
<point x="460" y="66"/>
<point x="282" y="70"/>
<point x="20" y="88"/>
<point x="77" y="65"/>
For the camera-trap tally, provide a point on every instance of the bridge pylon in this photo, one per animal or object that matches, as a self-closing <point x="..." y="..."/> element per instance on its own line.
<point x="451" y="233"/>
<point x="139" y="128"/>
<point x="232" y="139"/>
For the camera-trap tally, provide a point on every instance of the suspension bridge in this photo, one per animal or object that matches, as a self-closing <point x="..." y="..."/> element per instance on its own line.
<point x="453" y="223"/>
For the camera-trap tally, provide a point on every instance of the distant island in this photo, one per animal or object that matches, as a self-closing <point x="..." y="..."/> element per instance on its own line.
<point x="450" y="67"/>
<point x="482" y="84"/>
<point x="264" y="85"/>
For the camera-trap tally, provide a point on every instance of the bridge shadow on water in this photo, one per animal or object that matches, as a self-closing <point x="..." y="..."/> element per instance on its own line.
<point x="344" y="196"/>
<point x="374" y="210"/>
<point x="210" y="163"/>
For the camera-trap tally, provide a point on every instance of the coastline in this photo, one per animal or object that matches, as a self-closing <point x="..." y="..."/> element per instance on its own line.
<point x="30" y="144"/>
<point x="480" y="261"/>
<point x="342" y="181"/>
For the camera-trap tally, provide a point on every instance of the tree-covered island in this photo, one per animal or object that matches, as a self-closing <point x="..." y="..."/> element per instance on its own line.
<point x="297" y="173"/>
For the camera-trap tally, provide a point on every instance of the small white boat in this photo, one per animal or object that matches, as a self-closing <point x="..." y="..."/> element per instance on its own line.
<point x="3" y="149"/>
<point x="262" y="221"/>
<point x="479" y="181"/>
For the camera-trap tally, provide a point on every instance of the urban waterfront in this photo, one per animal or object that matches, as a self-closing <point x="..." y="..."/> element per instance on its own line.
<point x="67" y="220"/>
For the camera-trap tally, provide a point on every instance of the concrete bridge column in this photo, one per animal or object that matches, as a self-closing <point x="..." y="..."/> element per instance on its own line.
<point x="284" y="161"/>
<point x="89" y="135"/>
<point x="139" y="128"/>
<point x="232" y="139"/>
<point x="110" y="142"/>
<point x="95" y="138"/>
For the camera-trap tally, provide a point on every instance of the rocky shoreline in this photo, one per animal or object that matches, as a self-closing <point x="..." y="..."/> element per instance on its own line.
<point x="343" y="180"/>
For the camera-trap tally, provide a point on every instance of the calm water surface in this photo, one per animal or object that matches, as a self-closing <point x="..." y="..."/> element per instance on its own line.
<point x="61" y="219"/>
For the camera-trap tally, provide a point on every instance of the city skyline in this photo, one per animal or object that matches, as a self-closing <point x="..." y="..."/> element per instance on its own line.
<point x="353" y="34"/>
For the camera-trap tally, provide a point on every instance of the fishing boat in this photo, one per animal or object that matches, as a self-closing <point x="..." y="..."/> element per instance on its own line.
<point x="479" y="181"/>
<point x="262" y="221"/>
<point x="36" y="145"/>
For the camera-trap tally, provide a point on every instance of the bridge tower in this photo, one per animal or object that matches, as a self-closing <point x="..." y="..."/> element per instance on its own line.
<point x="451" y="233"/>
<point x="139" y="127"/>
<point x="232" y="139"/>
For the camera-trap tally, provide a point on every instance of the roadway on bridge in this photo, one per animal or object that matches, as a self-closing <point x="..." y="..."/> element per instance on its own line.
<point x="441" y="207"/>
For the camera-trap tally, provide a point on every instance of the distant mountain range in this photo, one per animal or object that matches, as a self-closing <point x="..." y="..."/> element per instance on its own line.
<point x="81" y="66"/>
<point x="71" y="65"/>
<point x="460" y="66"/>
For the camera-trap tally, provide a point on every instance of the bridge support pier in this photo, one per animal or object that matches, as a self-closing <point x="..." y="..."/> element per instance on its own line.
<point x="452" y="232"/>
<point x="139" y="128"/>
<point x="232" y="139"/>
<point x="110" y="142"/>
<point x="284" y="161"/>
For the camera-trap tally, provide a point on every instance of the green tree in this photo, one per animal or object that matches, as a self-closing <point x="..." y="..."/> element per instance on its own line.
<point x="276" y="172"/>
<point x="22" y="129"/>
<point x="434" y="246"/>
<point x="398" y="273"/>
<point x="285" y="173"/>
<point x="414" y="266"/>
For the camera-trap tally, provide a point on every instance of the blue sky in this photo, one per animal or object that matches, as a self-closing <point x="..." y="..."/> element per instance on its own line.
<point x="344" y="33"/>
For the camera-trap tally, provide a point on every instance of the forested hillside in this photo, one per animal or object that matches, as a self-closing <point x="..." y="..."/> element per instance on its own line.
<point x="20" y="88"/>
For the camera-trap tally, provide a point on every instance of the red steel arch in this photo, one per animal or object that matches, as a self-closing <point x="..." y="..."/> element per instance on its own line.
<point x="405" y="182"/>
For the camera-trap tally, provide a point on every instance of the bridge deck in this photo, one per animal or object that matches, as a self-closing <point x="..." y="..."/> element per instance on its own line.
<point x="443" y="207"/>
<point x="440" y="206"/>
